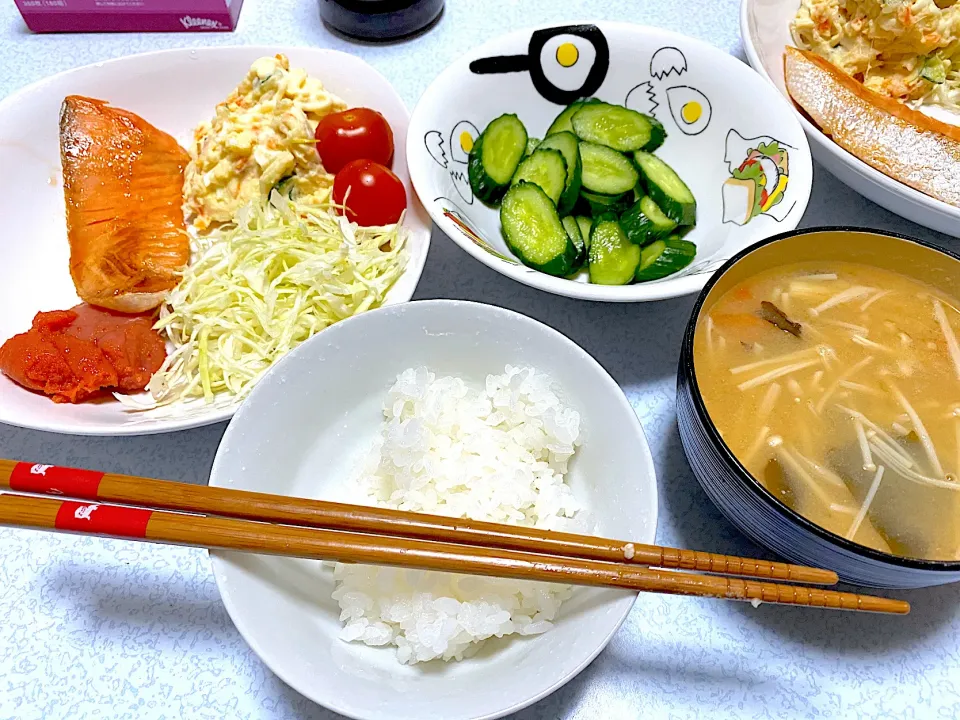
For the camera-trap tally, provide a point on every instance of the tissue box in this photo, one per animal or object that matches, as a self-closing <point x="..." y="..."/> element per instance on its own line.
<point x="130" y="15"/>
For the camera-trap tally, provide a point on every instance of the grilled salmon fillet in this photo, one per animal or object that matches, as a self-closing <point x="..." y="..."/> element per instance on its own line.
<point x="123" y="185"/>
<point x="900" y="142"/>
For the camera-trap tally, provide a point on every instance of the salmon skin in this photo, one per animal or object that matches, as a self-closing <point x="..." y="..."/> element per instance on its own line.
<point x="123" y="186"/>
<point x="899" y="141"/>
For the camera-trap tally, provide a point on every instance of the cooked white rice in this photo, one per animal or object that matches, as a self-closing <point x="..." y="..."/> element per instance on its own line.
<point x="498" y="453"/>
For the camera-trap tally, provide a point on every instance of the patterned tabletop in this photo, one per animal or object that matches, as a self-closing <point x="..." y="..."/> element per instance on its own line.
<point x="107" y="629"/>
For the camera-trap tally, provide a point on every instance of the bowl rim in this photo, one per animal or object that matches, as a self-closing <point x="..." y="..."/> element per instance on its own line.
<point x="817" y="137"/>
<point x="664" y="289"/>
<point x="198" y="416"/>
<point x="732" y="463"/>
<point x="220" y="559"/>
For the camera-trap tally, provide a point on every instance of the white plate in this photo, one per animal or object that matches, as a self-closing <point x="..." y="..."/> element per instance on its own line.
<point x="765" y="27"/>
<point x="650" y="70"/>
<point x="302" y="431"/>
<point x="173" y="90"/>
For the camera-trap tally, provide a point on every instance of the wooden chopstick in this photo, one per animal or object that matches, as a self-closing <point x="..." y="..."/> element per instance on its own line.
<point x="225" y="502"/>
<point x="264" y="538"/>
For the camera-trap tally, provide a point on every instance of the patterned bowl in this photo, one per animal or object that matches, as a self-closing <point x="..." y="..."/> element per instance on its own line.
<point x="730" y="136"/>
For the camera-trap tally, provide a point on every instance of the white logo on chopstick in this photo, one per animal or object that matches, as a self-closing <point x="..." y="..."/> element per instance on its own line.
<point x="84" y="512"/>
<point x="40" y="469"/>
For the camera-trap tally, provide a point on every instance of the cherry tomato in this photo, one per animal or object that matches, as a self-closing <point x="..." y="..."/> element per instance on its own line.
<point x="376" y="196"/>
<point x="351" y="135"/>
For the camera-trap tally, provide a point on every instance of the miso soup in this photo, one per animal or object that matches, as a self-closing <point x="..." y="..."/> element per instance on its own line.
<point x="837" y="385"/>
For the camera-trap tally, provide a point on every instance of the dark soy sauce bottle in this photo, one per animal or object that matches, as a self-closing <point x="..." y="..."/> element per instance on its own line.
<point x="375" y="20"/>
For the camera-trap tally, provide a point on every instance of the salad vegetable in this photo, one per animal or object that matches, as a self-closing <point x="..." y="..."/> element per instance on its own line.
<point x="534" y="231"/>
<point x="260" y="286"/>
<point x="369" y="193"/>
<point x="495" y="157"/>
<point x="353" y="134"/>
<point x="590" y="195"/>
<point x="546" y="168"/>
<point x="613" y="258"/>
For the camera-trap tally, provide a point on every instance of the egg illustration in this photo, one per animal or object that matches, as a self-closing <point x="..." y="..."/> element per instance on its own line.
<point x="565" y="63"/>
<point x="462" y="138"/>
<point x="667" y="61"/>
<point x="566" y="60"/>
<point x="643" y="99"/>
<point x="689" y="108"/>
<point x="453" y="154"/>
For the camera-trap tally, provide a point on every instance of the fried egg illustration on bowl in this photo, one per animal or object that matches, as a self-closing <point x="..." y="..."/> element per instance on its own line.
<point x="565" y="63"/>
<point x="566" y="60"/>
<point x="454" y="154"/>
<point x="462" y="138"/>
<point x="689" y="108"/>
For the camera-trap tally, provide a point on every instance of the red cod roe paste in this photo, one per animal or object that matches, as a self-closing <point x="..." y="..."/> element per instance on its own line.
<point x="74" y="355"/>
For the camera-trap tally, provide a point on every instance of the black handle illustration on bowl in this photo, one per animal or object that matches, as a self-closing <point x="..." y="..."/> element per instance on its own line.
<point x="583" y="41"/>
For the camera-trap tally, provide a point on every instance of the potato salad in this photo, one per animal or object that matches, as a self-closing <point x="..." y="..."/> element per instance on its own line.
<point x="261" y="138"/>
<point x="907" y="50"/>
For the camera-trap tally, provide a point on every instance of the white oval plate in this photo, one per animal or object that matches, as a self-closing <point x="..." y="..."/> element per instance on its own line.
<point x="650" y="70"/>
<point x="303" y="431"/>
<point x="765" y="27"/>
<point x="173" y="90"/>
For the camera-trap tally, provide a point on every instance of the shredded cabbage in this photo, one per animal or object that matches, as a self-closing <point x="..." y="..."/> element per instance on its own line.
<point x="904" y="49"/>
<point x="257" y="288"/>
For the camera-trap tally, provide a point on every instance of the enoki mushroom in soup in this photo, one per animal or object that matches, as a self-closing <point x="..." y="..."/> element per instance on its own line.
<point x="837" y="386"/>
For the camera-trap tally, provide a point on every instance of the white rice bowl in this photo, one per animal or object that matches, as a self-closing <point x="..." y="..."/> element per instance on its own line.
<point x="307" y="430"/>
<point x="496" y="453"/>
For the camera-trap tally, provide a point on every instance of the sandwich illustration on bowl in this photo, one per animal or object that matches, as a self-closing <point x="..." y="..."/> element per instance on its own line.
<point x="759" y="174"/>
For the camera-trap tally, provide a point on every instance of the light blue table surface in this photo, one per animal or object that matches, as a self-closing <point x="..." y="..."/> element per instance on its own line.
<point x="107" y="629"/>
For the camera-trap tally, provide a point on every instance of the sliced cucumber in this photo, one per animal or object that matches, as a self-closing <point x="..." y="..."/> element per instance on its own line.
<point x="533" y="231"/>
<point x="644" y="222"/>
<point x="594" y="204"/>
<point x="665" y="257"/>
<point x="532" y="144"/>
<point x="286" y="187"/>
<point x="562" y="122"/>
<point x="495" y="156"/>
<point x="648" y="256"/>
<point x="661" y="223"/>
<point x="934" y="70"/>
<point x="615" y="126"/>
<point x="613" y="258"/>
<point x="572" y="227"/>
<point x="606" y="171"/>
<point x="569" y="146"/>
<point x="665" y="187"/>
<point x="585" y="224"/>
<point x="657" y="134"/>
<point x="545" y="168"/>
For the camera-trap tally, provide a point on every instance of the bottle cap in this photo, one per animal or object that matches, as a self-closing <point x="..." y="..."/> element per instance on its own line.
<point x="379" y="19"/>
